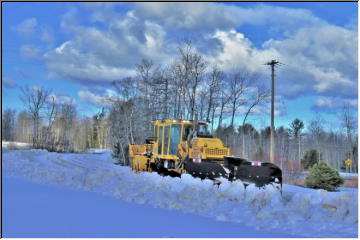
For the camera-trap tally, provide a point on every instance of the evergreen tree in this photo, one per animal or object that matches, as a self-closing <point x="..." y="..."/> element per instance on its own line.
<point x="323" y="176"/>
<point x="311" y="157"/>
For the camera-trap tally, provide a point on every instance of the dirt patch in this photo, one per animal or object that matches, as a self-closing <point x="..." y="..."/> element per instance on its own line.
<point x="353" y="182"/>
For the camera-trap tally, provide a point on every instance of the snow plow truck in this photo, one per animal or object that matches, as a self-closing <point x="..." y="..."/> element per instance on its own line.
<point x="185" y="146"/>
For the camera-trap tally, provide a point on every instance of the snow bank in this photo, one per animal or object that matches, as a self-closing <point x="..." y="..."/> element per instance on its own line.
<point x="310" y="213"/>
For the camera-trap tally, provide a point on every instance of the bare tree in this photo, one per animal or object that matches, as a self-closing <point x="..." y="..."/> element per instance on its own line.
<point x="296" y="127"/>
<point x="126" y="87"/>
<point x="146" y="71"/>
<point x="259" y="96"/>
<point x="50" y="111"/>
<point x="316" y="130"/>
<point x="120" y="128"/>
<point x="203" y="95"/>
<point x="23" y="128"/>
<point x="8" y="125"/>
<point x="66" y="123"/>
<point x="191" y="68"/>
<point x="238" y="85"/>
<point x="34" y="99"/>
<point x="349" y="122"/>
<point x="216" y="77"/>
<point x="224" y="98"/>
<point x="283" y="144"/>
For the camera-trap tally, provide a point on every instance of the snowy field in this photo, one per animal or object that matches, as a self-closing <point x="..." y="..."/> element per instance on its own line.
<point x="54" y="211"/>
<point x="157" y="202"/>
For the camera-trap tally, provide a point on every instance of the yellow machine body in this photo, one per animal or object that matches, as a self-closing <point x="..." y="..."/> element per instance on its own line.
<point x="173" y="141"/>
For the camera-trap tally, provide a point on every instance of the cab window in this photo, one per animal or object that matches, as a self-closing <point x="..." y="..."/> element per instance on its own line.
<point x="155" y="131"/>
<point x="175" y="138"/>
<point x="160" y="139"/>
<point x="166" y="139"/>
<point x="187" y="130"/>
<point x="202" y="131"/>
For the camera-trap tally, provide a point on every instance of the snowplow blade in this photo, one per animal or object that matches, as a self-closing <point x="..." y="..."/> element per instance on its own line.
<point x="210" y="170"/>
<point x="252" y="172"/>
<point x="236" y="168"/>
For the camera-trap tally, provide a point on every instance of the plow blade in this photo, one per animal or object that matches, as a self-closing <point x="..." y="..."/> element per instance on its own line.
<point x="211" y="170"/>
<point x="236" y="168"/>
<point x="258" y="173"/>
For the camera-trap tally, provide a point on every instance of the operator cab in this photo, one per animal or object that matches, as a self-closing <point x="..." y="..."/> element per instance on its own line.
<point x="201" y="131"/>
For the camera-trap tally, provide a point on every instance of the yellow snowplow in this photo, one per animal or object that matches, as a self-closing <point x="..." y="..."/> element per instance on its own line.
<point x="185" y="146"/>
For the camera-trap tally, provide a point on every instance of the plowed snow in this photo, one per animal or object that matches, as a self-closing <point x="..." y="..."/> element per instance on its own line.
<point x="308" y="213"/>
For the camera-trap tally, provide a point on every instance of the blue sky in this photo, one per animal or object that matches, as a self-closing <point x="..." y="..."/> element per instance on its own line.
<point x="76" y="49"/>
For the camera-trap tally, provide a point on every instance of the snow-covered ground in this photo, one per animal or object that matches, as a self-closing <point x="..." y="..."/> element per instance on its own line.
<point x="299" y="212"/>
<point x="35" y="210"/>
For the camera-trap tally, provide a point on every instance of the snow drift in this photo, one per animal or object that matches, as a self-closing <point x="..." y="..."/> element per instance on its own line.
<point x="302" y="212"/>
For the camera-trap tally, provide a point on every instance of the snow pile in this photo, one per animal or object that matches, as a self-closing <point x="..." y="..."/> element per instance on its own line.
<point x="311" y="213"/>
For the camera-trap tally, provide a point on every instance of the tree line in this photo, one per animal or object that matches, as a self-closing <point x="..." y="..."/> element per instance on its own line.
<point x="185" y="87"/>
<point x="48" y="124"/>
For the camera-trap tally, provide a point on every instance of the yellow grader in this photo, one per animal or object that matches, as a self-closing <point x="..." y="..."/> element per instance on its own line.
<point x="185" y="146"/>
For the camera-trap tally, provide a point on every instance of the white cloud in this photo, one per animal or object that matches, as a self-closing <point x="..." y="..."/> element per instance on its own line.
<point x="98" y="100"/>
<point x="104" y="55"/>
<point x="323" y="59"/>
<point x="60" y="99"/>
<point x="30" y="28"/>
<point x="333" y="104"/>
<point x="68" y="20"/>
<point x="30" y="51"/>
<point x="47" y="35"/>
<point x="186" y="15"/>
<point x="265" y="108"/>
<point x="209" y="16"/>
<point x="102" y="11"/>
<point x="320" y="58"/>
<point x="27" y="28"/>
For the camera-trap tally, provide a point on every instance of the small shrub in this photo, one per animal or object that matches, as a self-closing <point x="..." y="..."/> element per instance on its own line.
<point x="323" y="176"/>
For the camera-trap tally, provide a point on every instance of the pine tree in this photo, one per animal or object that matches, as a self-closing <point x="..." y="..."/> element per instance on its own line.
<point x="311" y="157"/>
<point x="323" y="176"/>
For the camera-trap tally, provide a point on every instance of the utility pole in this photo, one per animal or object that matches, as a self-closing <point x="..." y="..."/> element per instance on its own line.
<point x="272" y="63"/>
